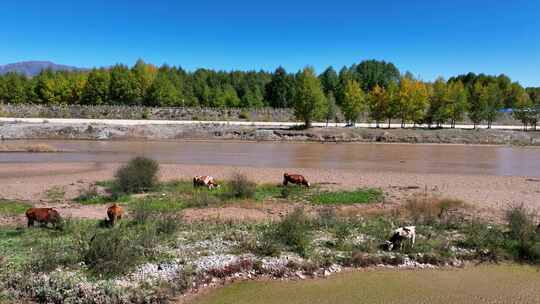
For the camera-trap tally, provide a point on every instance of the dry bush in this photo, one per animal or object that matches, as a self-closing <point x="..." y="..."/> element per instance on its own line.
<point x="241" y="187"/>
<point x="138" y="175"/>
<point x="429" y="210"/>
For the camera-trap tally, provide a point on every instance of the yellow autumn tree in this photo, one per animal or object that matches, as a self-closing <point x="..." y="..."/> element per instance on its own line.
<point x="353" y="101"/>
<point x="378" y="103"/>
<point x="412" y="100"/>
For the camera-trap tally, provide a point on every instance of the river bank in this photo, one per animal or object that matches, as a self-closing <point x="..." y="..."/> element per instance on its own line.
<point x="129" y="130"/>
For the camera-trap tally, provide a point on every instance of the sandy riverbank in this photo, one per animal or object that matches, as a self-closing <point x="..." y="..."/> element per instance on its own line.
<point x="490" y="194"/>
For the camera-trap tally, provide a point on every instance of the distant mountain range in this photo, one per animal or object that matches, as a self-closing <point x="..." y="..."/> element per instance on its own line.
<point x="32" y="68"/>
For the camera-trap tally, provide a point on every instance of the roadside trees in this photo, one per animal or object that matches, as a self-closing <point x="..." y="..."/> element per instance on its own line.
<point x="412" y="100"/>
<point x="458" y="102"/>
<point x="331" y="107"/>
<point x="310" y="102"/>
<point x="354" y="101"/>
<point x="494" y="102"/>
<point x="379" y="104"/>
<point x="478" y="104"/>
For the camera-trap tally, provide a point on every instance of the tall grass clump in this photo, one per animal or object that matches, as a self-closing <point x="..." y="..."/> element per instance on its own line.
<point x="112" y="252"/>
<point x="241" y="187"/>
<point x="524" y="241"/>
<point x="428" y="210"/>
<point x="138" y="175"/>
<point x="293" y="232"/>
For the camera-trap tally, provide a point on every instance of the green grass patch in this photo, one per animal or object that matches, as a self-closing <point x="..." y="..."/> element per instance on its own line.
<point x="359" y="196"/>
<point x="291" y="193"/>
<point x="157" y="204"/>
<point x="11" y="208"/>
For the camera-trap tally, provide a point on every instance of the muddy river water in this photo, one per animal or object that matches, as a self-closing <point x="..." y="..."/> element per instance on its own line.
<point x="449" y="159"/>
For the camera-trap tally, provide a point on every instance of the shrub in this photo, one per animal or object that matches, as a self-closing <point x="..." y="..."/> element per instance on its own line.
<point x="241" y="187"/>
<point x="112" y="252"/>
<point x="488" y="241"/>
<point x="430" y="210"/>
<point x="138" y="175"/>
<point x="294" y="232"/>
<point x="524" y="241"/>
<point x="52" y="254"/>
<point x="267" y="244"/>
<point x="168" y="224"/>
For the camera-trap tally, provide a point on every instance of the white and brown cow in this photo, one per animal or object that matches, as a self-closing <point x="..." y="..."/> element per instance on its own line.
<point x="400" y="235"/>
<point x="205" y="181"/>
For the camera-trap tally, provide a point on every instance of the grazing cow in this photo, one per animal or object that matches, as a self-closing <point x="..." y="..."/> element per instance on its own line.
<point x="401" y="234"/>
<point x="114" y="213"/>
<point x="205" y="181"/>
<point x="42" y="216"/>
<point x="295" y="179"/>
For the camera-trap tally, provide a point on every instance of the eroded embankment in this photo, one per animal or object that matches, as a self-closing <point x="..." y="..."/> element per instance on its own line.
<point x="261" y="133"/>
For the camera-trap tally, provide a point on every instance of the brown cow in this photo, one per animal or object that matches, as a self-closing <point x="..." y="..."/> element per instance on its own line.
<point x="205" y="181"/>
<point x="42" y="216"/>
<point x="114" y="213"/>
<point x="295" y="179"/>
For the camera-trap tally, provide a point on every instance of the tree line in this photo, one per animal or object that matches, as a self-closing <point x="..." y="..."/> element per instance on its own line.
<point x="376" y="88"/>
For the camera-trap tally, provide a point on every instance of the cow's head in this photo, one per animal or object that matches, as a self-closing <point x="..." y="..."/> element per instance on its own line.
<point x="53" y="216"/>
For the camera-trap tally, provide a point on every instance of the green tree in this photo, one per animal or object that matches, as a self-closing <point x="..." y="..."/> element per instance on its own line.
<point x="331" y="107"/>
<point x="392" y="94"/>
<point x="123" y="86"/>
<point x="494" y="102"/>
<point x="143" y="75"/>
<point x="458" y="102"/>
<point x="280" y="90"/>
<point x="163" y="92"/>
<point x="310" y="102"/>
<point x="329" y="80"/>
<point x="53" y="87"/>
<point x="439" y="104"/>
<point x="96" y="90"/>
<point x="374" y="72"/>
<point x="345" y="75"/>
<point x="524" y="109"/>
<point x="14" y="89"/>
<point x="227" y="97"/>
<point x="379" y="104"/>
<point x="534" y="95"/>
<point x="354" y="102"/>
<point x="478" y="104"/>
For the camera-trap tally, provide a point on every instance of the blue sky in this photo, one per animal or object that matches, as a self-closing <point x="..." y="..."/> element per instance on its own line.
<point x="429" y="38"/>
